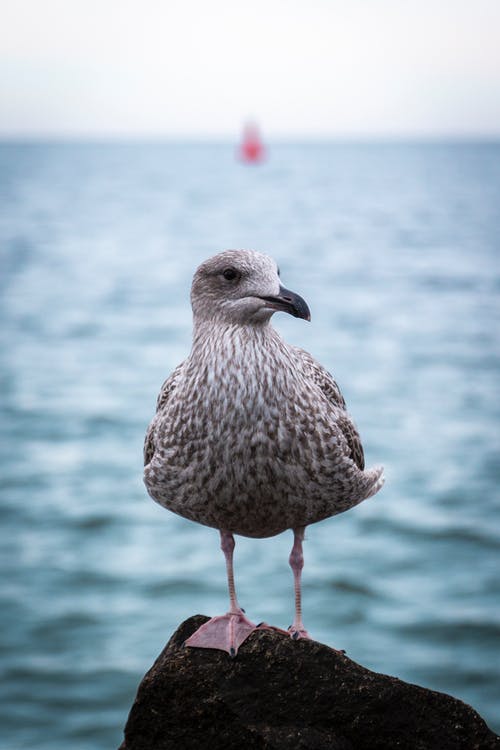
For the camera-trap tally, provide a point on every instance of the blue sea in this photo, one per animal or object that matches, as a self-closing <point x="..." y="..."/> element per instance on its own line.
<point x="396" y="247"/>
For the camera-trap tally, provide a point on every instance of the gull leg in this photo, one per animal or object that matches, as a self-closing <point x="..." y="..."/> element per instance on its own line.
<point x="296" y="561"/>
<point x="226" y="632"/>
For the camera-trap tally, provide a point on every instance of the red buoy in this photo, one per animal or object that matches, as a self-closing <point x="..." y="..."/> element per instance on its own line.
<point x="252" y="149"/>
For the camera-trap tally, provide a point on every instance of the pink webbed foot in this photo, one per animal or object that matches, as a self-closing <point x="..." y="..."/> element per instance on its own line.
<point x="298" y="632"/>
<point x="225" y="633"/>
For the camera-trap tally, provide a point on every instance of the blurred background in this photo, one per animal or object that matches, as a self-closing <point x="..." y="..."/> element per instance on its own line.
<point x="377" y="189"/>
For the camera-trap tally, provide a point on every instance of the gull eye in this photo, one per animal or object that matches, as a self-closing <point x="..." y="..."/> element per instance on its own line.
<point x="230" y="274"/>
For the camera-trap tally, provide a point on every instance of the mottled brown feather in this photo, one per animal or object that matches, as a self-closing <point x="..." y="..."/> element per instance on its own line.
<point x="166" y="391"/>
<point x="325" y="381"/>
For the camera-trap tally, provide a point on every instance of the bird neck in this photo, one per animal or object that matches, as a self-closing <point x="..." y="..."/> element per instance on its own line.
<point x="248" y="359"/>
<point x="233" y="340"/>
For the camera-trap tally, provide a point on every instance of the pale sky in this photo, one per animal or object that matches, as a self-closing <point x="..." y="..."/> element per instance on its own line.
<point x="301" y="68"/>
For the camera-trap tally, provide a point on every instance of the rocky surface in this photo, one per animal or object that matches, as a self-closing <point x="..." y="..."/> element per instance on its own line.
<point x="289" y="695"/>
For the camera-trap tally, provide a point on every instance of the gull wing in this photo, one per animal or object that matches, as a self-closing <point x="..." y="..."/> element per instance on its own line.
<point x="165" y="391"/>
<point x="331" y="390"/>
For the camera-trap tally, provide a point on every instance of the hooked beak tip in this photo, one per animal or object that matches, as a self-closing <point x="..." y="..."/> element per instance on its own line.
<point x="289" y="302"/>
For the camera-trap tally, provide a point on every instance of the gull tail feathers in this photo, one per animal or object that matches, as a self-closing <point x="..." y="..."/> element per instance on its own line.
<point x="374" y="481"/>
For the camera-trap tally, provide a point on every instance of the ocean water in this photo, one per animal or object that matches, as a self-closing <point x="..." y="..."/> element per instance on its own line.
<point x="396" y="248"/>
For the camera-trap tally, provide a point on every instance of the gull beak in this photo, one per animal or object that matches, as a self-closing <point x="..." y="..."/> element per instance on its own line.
<point x="289" y="302"/>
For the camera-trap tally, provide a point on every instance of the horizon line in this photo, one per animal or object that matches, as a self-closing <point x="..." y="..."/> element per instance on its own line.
<point x="278" y="139"/>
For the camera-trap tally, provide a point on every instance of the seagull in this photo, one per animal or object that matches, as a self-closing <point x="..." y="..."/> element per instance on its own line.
<point x="251" y="435"/>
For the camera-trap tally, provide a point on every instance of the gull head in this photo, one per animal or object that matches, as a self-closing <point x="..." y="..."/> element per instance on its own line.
<point x="242" y="287"/>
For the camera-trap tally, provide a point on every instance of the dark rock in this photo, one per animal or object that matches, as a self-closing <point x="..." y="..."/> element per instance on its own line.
<point x="283" y="694"/>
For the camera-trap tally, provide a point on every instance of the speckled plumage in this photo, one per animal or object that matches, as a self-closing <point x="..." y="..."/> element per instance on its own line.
<point x="251" y="435"/>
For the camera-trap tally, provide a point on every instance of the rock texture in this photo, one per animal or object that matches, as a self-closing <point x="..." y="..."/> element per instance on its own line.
<point x="289" y="695"/>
